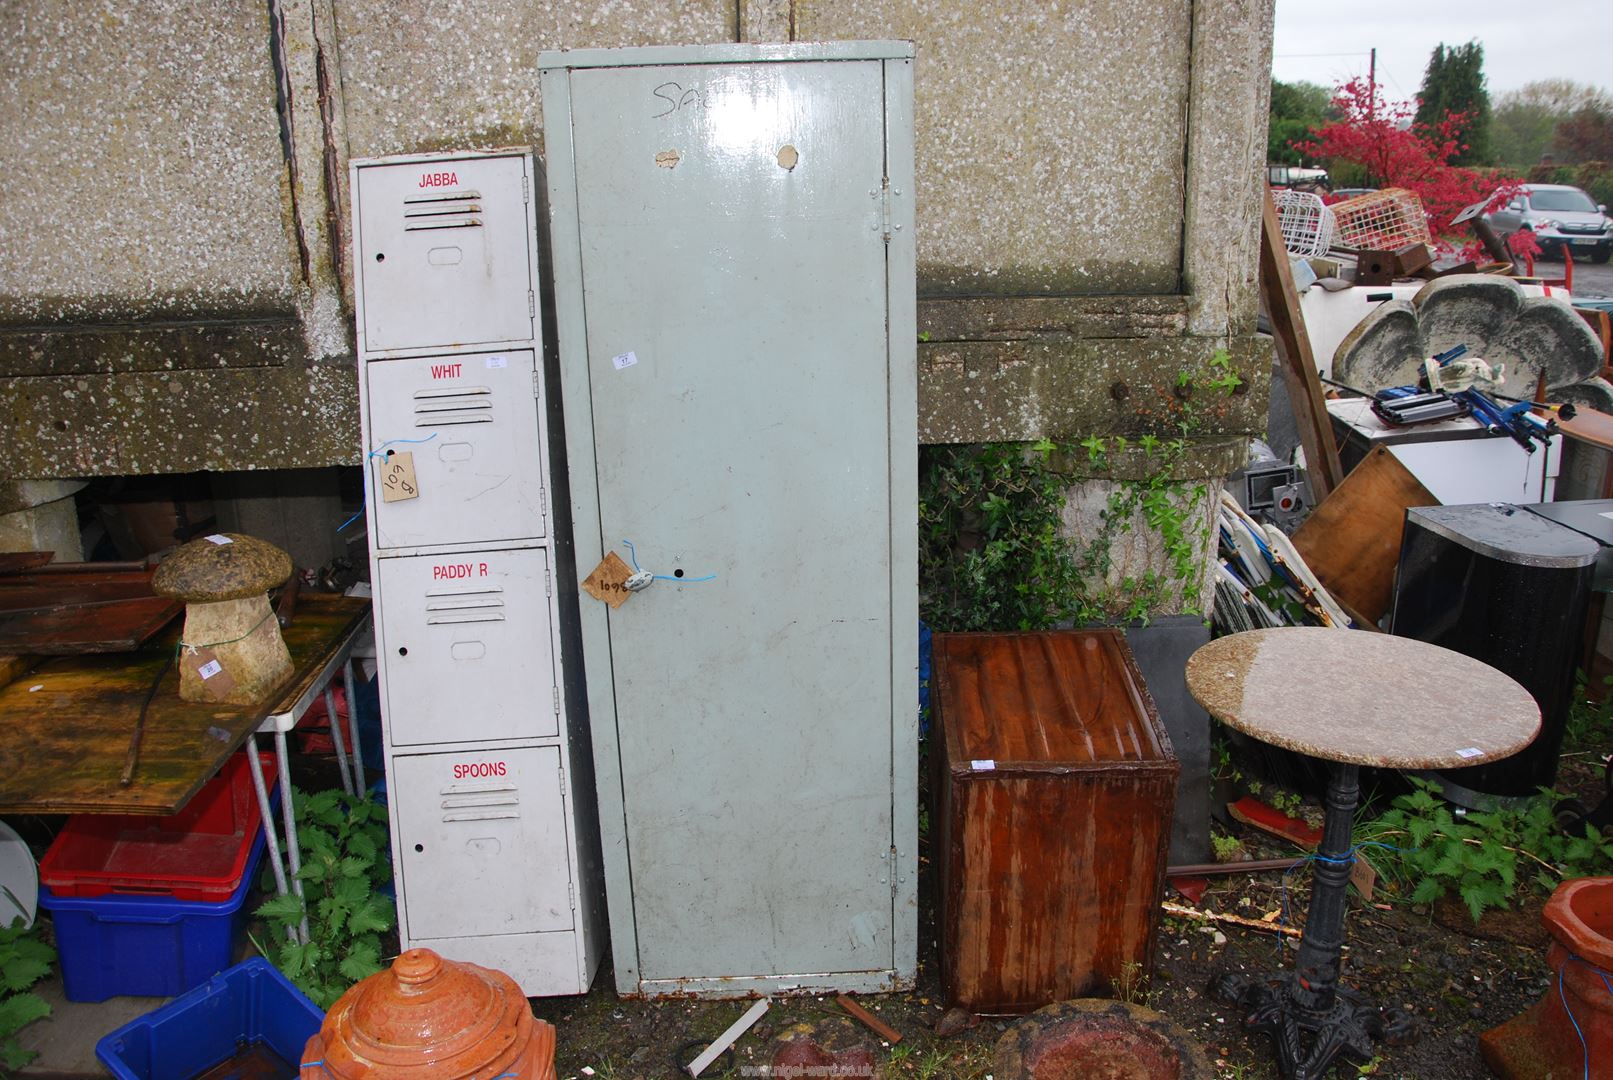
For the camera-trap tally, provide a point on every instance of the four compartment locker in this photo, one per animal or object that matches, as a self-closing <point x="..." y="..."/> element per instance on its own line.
<point x="494" y="828"/>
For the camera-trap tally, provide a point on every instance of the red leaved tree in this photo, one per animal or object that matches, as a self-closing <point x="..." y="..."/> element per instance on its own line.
<point x="1394" y="150"/>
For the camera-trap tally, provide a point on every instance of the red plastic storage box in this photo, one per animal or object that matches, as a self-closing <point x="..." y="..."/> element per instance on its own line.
<point x="199" y="854"/>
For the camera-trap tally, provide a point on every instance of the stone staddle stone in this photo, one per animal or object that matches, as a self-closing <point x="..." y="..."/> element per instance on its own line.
<point x="1097" y="1039"/>
<point x="1530" y="335"/>
<point x="225" y="587"/>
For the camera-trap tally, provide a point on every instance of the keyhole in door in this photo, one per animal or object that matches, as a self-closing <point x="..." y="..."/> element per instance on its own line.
<point x="420" y="847"/>
<point x="380" y="256"/>
<point x="678" y="572"/>
<point x="403" y="650"/>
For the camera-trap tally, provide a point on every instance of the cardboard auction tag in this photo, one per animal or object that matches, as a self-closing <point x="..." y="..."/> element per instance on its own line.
<point x="608" y="582"/>
<point x="397" y="477"/>
<point x="215" y="680"/>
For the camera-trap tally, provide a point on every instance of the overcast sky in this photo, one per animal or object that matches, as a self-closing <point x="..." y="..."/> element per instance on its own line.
<point x="1570" y="39"/>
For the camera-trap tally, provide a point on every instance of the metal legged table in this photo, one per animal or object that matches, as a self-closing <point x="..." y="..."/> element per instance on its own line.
<point x="1351" y="698"/>
<point x="278" y="723"/>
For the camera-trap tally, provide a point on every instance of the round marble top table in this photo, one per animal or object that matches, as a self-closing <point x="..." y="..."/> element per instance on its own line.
<point x="1351" y="698"/>
<point x="1364" y="698"/>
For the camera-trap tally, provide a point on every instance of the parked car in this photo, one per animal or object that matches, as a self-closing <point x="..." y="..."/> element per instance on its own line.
<point x="1560" y="216"/>
<point x="1298" y="178"/>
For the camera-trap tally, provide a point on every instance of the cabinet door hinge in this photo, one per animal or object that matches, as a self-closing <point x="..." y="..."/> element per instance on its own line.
<point x="526" y="188"/>
<point x="562" y="771"/>
<point x="548" y="586"/>
<point x="531" y="303"/>
<point x="543" y="502"/>
<point x="557" y="713"/>
<point x="537" y="387"/>
<point x="885" y="225"/>
<point x="893" y="873"/>
<point x="571" y="894"/>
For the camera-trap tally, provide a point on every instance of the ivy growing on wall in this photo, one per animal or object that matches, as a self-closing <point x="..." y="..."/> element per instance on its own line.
<point x="994" y="553"/>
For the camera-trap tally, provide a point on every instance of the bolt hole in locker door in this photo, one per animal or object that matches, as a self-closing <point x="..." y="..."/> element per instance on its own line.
<point x="747" y="437"/>
<point x="484" y="842"/>
<point x="443" y="253"/>
<point x="470" y="654"/>
<point x="471" y="423"/>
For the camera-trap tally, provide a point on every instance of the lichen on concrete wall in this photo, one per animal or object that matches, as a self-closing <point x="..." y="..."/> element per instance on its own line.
<point x="1049" y="138"/>
<point x="438" y="74"/>
<point x="144" y="160"/>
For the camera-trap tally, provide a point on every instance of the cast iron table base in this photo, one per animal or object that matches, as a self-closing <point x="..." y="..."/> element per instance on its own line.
<point x="1308" y="1002"/>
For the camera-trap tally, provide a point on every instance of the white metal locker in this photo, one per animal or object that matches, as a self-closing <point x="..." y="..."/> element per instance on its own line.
<point x="441" y="252"/>
<point x="469" y="647"/>
<point x="470" y="422"/>
<point x="734" y="290"/>
<point x="480" y="856"/>
<point x="484" y="723"/>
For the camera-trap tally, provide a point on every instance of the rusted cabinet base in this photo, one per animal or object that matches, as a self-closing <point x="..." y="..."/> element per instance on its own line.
<point x="1055" y="786"/>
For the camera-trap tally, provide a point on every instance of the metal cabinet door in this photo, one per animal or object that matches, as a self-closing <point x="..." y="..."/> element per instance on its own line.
<point x="482" y="843"/>
<point x="735" y="271"/>
<point x="471" y="423"/>
<point x="469" y="652"/>
<point x="444" y="253"/>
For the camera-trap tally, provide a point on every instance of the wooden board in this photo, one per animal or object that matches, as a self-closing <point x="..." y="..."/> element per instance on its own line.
<point x="1589" y="426"/>
<point x="1294" y="356"/>
<point x="64" y="728"/>
<point x="14" y="562"/>
<point x="1351" y="541"/>
<point x="112" y="626"/>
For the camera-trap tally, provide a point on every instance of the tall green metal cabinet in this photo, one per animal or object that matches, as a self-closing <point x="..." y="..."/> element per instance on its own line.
<point x="734" y="287"/>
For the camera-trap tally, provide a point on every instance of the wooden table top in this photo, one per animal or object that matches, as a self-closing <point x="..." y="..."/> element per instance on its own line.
<point x="1366" y="699"/>
<point x="65" y="726"/>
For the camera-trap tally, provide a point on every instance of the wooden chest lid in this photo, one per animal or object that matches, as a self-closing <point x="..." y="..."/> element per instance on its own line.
<point x="1061" y="697"/>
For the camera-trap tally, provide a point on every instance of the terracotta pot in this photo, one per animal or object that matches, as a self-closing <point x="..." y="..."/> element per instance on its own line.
<point x="1542" y="1041"/>
<point x="427" y="1018"/>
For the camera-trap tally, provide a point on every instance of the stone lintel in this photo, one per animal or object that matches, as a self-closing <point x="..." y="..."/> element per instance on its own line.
<point x="992" y="391"/>
<point x="175" y="421"/>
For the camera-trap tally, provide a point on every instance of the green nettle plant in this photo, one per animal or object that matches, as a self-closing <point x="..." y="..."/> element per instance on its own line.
<point x="344" y="844"/>
<point x="24" y="960"/>
<point x="1485" y="858"/>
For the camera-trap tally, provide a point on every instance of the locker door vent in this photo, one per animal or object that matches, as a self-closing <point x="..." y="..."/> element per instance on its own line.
<point x="462" y="802"/>
<point x="448" y="210"/>
<point x="450" y="607"/>
<point x="453" y="405"/>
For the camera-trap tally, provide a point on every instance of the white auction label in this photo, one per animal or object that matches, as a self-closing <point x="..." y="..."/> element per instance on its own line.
<point x="209" y="669"/>
<point x="497" y="362"/>
<point x="1470" y="752"/>
<point x="624" y="361"/>
<point x="983" y="764"/>
<point x="218" y="538"/>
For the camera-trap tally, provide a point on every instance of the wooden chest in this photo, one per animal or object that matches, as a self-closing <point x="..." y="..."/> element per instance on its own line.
<point x="1054" y="788"/>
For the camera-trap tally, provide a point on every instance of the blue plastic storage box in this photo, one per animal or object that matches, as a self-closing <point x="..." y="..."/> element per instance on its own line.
<point x="249" y="1003"/>
<point x="145" y="945"/>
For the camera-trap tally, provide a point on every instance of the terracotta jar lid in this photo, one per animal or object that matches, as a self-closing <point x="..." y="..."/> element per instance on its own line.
<point x="434" y="1019"/>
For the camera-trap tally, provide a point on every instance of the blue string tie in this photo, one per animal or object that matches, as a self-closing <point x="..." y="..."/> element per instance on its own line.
<point x="663" y="577"/>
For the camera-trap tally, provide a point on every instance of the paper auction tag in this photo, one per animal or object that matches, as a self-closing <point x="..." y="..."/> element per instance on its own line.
<point x="608" y="582"/>
<point x="397" y="477"/>
<point x="215" y="680"/>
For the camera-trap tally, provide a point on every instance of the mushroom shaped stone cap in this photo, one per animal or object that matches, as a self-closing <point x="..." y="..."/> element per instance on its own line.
<point x="223" y="566"/>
